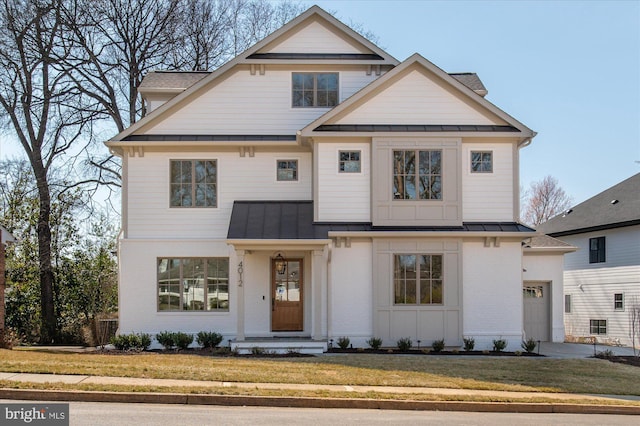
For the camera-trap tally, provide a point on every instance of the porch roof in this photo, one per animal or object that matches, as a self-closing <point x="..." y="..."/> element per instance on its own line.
<point x="293" y="220"/>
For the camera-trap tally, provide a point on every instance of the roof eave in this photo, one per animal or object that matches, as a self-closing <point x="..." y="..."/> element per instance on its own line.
<point x="414" y="234"/>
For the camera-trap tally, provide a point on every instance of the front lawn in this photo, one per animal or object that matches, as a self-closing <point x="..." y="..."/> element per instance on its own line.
<point x="488" y="373"/>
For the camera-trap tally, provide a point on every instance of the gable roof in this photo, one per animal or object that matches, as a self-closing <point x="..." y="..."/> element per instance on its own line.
<point x="313" y="13"/>
<point x="396" y="74"/>
<point x="547" y="244"/>
<point x="615" y="207"/>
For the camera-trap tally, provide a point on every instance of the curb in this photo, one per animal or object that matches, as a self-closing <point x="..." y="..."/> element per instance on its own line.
<point x="306" y="402"/>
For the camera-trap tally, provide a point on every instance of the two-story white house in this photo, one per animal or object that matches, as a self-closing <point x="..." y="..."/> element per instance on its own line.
<point x="316" y="187"/>
<point x="602" y="279"/>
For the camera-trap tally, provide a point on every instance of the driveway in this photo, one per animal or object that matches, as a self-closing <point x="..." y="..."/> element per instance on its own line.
<point x="579" y="350"/>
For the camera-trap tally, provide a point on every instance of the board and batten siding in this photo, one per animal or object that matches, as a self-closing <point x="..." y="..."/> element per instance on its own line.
<point x="239" y="178"/>
<point x="342" y="197"/>
<point x="418" y="322"/>
<point x="387" y="211"/>
<point x="314" y="38"/>
<point x="488" y="196"/>
<point x="417" y="99"/>
<point x="266" y="99"/>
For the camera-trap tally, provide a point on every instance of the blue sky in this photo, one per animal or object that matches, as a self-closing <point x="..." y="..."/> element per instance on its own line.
<point x="570" y="70"/>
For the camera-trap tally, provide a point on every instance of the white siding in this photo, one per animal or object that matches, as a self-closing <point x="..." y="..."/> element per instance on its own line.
<point x="239" y="178"/>
<point x="592" y="297"/>
<point x="622" y="247"/>
<point x="416" y="99"/>
<point x="343" y="197"/>
<point x="492" y="293"/>
<point x="488" y="196"/>
<point x="540" y="267"/>
<point x="314" y="38"/>
<point x="253" y="104"/>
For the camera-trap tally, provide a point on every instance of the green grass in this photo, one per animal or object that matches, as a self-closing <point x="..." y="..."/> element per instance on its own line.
<point x="486" y="373"/>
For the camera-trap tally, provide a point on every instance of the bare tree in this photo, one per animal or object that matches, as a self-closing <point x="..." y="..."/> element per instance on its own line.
<point x="41" y="108"/>
<point x="634" y="324"/>
<point x="544" y="200"/>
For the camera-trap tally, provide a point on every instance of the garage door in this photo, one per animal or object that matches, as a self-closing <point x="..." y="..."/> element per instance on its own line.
<point x="537" y="301"/>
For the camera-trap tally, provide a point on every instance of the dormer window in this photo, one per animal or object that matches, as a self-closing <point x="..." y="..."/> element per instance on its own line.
<point x="319" y="90"/>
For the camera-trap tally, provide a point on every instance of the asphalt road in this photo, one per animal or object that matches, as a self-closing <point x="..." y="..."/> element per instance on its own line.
<point x="112" y="414"/>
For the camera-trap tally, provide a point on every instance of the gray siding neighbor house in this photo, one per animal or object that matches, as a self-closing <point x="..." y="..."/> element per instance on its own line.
<point x="602" y="278"/>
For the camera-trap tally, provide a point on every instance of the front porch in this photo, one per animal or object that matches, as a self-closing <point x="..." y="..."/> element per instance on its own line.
<point x="279" y="345"/>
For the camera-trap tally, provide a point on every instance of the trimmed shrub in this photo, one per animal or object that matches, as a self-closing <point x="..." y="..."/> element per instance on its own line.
<point x="404" y="343"/>
<point x="166" y="339"/>
<point x="182" y="340"/>
<point x="209" y="339"/>
<point x="469" y="343"/>
<point x="529" y="345"/>
<point x="374" y="343"/>
<point x="499" y="345"/>
<point x="132" y="342"/>
<point x="343" y="342"/>
<point x="438" y="345"/>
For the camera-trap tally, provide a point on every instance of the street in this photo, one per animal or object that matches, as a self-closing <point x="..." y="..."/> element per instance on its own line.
<point x="115" y="414"/>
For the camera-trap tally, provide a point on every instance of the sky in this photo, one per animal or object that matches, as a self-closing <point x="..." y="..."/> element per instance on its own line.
<point x="569" y="70"/>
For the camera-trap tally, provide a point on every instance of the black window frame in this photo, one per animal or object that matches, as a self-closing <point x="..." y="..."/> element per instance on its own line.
<point x="598" y="327"/>
<point x="618" y="301"/>
<point x="567" y="303"/>
<point x="597" y="250"/>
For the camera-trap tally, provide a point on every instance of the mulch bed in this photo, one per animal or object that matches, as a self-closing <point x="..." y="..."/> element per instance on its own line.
<point x="623" y="359"/>
<point x="426" y="351"/>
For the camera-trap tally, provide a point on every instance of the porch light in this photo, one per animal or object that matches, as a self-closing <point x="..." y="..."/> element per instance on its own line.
<point x="281" y="264"/>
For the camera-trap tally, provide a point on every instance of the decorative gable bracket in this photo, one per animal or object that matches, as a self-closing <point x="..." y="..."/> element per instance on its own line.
<point x="132" y="150"/>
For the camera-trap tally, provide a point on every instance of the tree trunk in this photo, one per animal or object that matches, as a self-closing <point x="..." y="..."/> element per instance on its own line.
<point x="48" y="318"/>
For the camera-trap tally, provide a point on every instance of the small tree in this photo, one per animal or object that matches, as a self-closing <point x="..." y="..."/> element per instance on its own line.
<point x="544" y="200"/>
<point x="634" y="324"/>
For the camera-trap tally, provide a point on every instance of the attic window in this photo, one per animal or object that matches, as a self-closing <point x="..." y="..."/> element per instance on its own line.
<point x="317" y="90"/>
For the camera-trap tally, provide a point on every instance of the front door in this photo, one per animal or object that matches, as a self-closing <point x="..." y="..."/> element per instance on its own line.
<point x="286" y="295"/>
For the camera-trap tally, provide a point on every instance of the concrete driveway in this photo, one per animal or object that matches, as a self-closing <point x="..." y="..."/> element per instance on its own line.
<point x="579" y="350"/>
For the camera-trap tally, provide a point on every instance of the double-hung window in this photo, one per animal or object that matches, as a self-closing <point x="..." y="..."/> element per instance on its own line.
<point x="417" y="174"/>
<point x="193" y="183"/>
<point x="193" y="284"/>
<point x="618" y="302"/>
<point x="314" y="89"/>
<point x="417" y="279"/>
<point x="597" y="250"/>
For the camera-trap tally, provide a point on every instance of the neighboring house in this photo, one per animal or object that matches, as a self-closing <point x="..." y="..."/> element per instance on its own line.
<point x="315" y="187"/>
<point x="602" y="279"/>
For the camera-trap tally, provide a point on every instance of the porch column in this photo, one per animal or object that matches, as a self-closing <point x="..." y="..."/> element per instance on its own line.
<point x="319" y="302"/>
<point x="240" y="281"/>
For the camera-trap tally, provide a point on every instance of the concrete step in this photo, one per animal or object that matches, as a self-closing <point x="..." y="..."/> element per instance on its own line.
<point x="279" y="346"/>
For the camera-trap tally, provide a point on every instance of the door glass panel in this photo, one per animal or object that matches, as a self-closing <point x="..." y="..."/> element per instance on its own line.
<point x="287" y="287"/>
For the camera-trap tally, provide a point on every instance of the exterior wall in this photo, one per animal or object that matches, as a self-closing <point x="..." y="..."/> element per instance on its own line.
<point x="592" y="286"/>
<point x="239" y="178"/>
<point x="417" y="98"/>
<point x="351" y="293"/>
<point x="622" y="247"/>
<point x="489" y="196"/>
<point x="342" y="197"/>
<point x="548" y="268"/>
<point x="387" y="211"/>
<point x="418" y="322"/>
<point x="314" y="37"/>
<point x="492" y="297"/>
<point x="255" y="104"/>
<point x="138" y="288"/>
